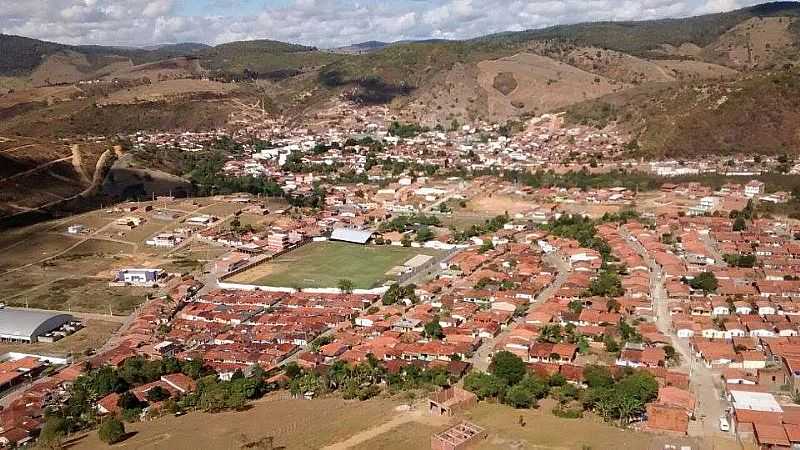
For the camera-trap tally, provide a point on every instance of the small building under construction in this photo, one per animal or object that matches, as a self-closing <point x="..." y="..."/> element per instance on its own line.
<point x="462" y="436"/>
<point x="451" y="401"/>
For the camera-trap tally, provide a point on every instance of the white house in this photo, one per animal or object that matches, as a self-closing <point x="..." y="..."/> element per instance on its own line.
<point x="754" y="188"/>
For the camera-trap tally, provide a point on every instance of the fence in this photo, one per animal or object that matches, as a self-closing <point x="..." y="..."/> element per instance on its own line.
<point x="403" y="278"/>
<point x="261" y="260"/>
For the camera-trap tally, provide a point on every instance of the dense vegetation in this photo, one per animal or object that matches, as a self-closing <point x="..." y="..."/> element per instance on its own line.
<point x="582" y="229"/>
<point x="365" y="380"/>
<point x="212" y="394"/>
<point x="620" y="397"/>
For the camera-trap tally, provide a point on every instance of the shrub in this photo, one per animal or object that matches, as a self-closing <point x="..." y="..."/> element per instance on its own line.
<point x="567" y="413"/>
<point x="111" y="430"/>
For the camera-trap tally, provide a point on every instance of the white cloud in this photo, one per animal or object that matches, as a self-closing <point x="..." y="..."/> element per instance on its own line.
<point x="324" y="23"/>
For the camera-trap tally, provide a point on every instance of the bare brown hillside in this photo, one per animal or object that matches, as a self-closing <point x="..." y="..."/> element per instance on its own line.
<point x="759" y="42"/>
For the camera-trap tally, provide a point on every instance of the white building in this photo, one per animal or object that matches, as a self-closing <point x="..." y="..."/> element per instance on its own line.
<point x="754" y="188"/>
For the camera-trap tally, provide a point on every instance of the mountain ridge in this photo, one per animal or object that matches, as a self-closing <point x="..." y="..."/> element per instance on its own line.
<point x="495" y="78"/>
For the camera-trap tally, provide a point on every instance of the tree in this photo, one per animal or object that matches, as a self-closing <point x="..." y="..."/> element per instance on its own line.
<point x="519" y="396"/>
<point x="671" y="354"/>
<point x="627" y="407"/>
<point x="508" y="366"/>
<point x="612" y="305"/>
<point x="292" y="370"/>
<point x="607" y="284"/>
<point x="55" y="428"/>
<point x="433" y="330"/>
<point x="346" y="286"/>
<point x="127" y="400"/>
<point x="424" y="234"/>
<point x="111" y="430"/>
<point x="486" y="246"/>
<point x="611" y="344"/>
<point x="484" y="385"/>
<point x="551" y="333"/>
<point x="396" y="292"/>
<point x="576" y="306"/>
<point x="739" y="224"/>
<point x="705" y="281"/>
<point x="597" y="376"/>
<point x="157" y="394"/>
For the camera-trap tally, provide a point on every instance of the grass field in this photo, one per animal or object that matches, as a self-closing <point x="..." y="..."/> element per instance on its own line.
<point x="323" y="264"/>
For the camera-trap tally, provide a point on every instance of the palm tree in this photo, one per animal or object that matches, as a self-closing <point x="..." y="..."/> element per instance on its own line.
<point x="338" y="375"/>
<point x="604" y="407"/>
<point x="627" y="407"/>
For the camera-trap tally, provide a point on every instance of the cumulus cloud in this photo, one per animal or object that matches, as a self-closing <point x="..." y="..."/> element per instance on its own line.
<point x="323" y="23"/>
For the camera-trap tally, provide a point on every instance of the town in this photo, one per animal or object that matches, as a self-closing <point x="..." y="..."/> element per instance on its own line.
<point x="526" y="264"/>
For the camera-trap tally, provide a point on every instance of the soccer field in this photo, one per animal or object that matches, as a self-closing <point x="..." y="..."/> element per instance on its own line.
<point x="323" y="264"/>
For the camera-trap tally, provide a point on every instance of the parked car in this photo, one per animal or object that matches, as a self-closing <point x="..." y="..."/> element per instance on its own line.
<point x="724" y="425"/>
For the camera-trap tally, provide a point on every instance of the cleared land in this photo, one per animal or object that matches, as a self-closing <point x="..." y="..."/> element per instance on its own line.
<point x="42" y="266"/>
<point x="93" y="336"/>
<point x="410" y="435"/>
<point x="295" y="424"/>
<point x="545" y="431"/>
<point x="542" y="84"/>
<point x="323" y="264"/>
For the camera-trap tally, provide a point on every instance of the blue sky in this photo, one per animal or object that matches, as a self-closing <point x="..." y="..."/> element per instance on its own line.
<point x="322" y="23"/>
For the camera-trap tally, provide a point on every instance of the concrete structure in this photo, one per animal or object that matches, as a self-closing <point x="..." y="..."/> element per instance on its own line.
<point x="20" y="325"/>
<point x="450" y="402"/>
<point x="278" y="242"/>
<point x="754" y="189"/>
<point x="139" y="277"/>
<point x="459" y="437"/>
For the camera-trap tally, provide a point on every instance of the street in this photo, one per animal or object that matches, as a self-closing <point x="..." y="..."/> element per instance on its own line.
<point x="703" y="382"/>
<point x="480" y="359"/>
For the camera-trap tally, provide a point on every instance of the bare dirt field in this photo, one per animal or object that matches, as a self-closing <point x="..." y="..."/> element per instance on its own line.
<point x="694" y="69"/>
<point x="42" y="266"/>
<point x="39" y="95"/>
<point x="494" y="205"/>
<point x="165" y="89"/>
<point x="542" y="84"/>
<point x="545" y="431"/>
<point x="593" y="210"/>
<point x="412" y="435"/>
<point x="295" y="424"/>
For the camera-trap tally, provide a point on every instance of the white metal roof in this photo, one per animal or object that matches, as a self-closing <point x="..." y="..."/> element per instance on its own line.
<point x="755" y="401"/>
<point x="23" y="323"/>
<point x="351" y="235"/>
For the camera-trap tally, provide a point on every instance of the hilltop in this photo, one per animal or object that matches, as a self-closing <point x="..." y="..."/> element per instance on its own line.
<point x="494" y="78"/>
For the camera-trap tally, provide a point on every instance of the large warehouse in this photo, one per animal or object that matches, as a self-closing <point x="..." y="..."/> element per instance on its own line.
<point x="22" y="325"/>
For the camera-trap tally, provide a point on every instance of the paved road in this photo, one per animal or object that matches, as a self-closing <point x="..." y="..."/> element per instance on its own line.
<point x="480" y="359"/>
<point x="711" y="246"/>
<point x="703" y="381"/>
